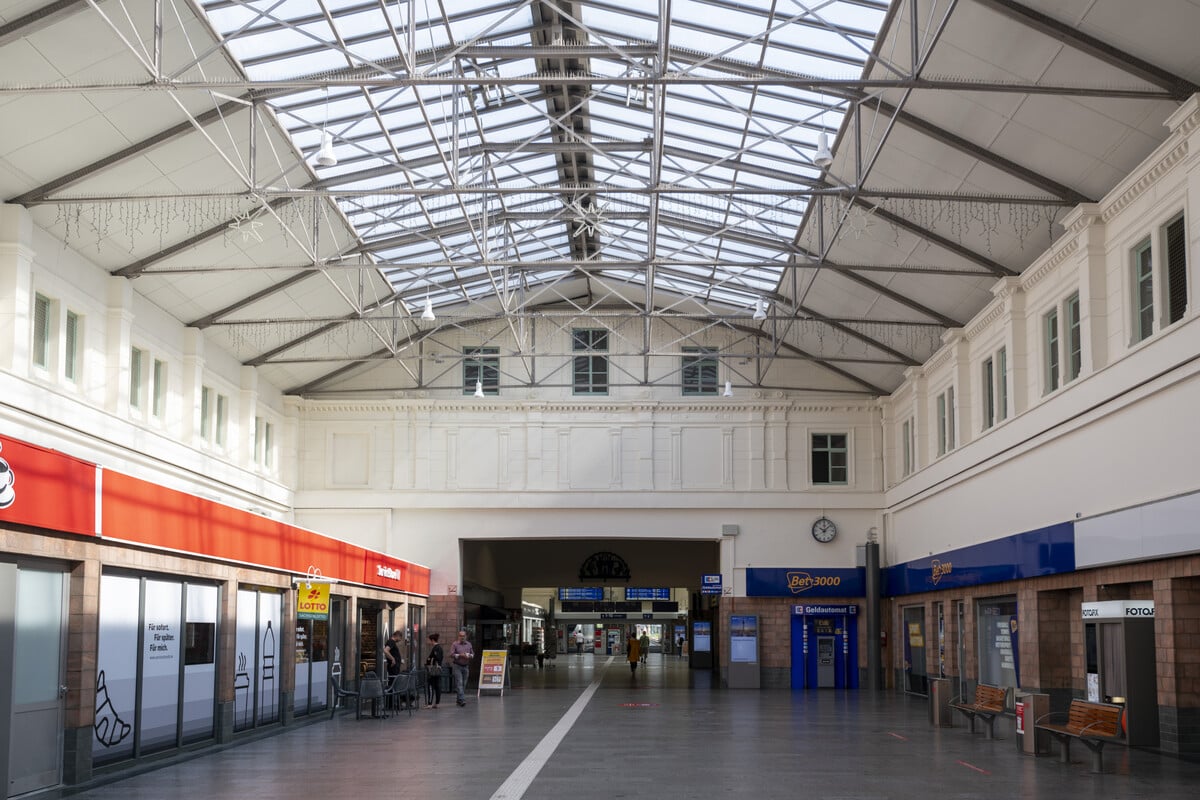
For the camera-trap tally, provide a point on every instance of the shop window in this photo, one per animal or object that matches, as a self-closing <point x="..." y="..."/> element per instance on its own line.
<point x="481" y="365"/>
<point x="998" y="643"/>
<point x="591" y="368"/>
<point x="199" y="643"/>
<point x="830" y="458"/>
<point x="699" y="371"/>
<point x="256" y="676"/>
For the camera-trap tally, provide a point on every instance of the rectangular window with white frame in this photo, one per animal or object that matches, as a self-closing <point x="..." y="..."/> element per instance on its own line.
<point x="988" y="393"/>
<point x="699" y="371"/>
<point x="42" y="313"/>
<point x="137" y="382"/>
<point x="264" y="443"/>
<point x="1001" y="361"/>
<point x="214" y="412"/>
<point x="158" y="393"/>
<point x="945" y="421"/>
<point x="72" y="347"/>
<point x="1175" y="294"/>
<point x="206" y="407"/>
<point x="907" y="448"/>
<point x="830" y="459"/>
<point x="481" y="367"/>
<point x="1143" y="291"/>
<point x="222" y="422"/>
<point x="1073" y="360"/>
<point x="1050" y="354"/>
<point x="591" y="360"/>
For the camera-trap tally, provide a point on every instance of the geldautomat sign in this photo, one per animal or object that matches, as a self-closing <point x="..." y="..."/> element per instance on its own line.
<point x="804" y="582"/>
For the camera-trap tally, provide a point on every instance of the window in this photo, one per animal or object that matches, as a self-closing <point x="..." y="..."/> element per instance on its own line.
<point x="214" y="410"/>
<point x="206" y="404"/>
<point x="829" y="458"/>
<point x="135" y="378"/>
<point x="1001" y="384"/>
<point x="591" y="371"/>
<point x="1143" y="292"/>
<point x="263" y="442"/>
<point x="1050" y="351"/>
<point x="71" y="356"/>
<point x="1074" y="359"/>
<point x="906" y="445"/>
<point x="158" y="403"/>
<point x="41" y="331"/>
<point x="699" y="371"/>
<point x="989" y="393"/>
<point x="481" y="365"/>
<point x="222" y="414"/>
<point x="1175" y="248"/>
<point x="945" y="421"/>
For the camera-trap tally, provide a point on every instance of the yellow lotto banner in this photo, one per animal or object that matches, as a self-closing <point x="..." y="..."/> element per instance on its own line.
<point x="491" y="670"/>
<point x="312" y="601"/>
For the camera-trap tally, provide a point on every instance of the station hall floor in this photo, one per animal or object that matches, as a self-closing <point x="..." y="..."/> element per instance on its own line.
<point x="587" y="729"/>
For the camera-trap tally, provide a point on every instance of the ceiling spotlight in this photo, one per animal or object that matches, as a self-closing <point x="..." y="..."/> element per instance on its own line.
<point x="728" y="390"/>
<point x="823" y="157"/>
<point x="479" y="389"/>
<point x="427" y="314"/>
<point x="325" y="156"/>
<point x="760" y="309"/>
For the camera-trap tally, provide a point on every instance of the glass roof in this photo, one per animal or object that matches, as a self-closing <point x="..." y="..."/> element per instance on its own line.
<point x="556" y="136"/>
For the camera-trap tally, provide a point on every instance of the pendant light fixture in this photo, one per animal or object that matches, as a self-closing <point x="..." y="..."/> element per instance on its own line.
<point x="728" y="390"/>
<point x="760" y="310"/>
<point x="428" y="314"/>
<point x="479" y="389"/>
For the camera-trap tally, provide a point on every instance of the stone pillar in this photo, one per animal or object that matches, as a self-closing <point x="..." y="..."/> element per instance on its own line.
<point x="83" y="644"/>
<point x="226" y="661"/>
<point x="1176" y="611"/>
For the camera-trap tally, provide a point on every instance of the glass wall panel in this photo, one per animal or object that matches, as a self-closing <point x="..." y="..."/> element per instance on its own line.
<point x="160" y="665"/>
<point x="200" y="661"/>
<point x="270" y="608"/>
<point x="116" y="668"/>
<point x="245" y="673"/>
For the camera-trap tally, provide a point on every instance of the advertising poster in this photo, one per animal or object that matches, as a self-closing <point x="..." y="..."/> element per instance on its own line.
<point x="116" y="668"/>
<point x="701" y="637"/>
<point x="743" y="639"/>
<point x="160" y="664"/>
<point x="491" y="670"/>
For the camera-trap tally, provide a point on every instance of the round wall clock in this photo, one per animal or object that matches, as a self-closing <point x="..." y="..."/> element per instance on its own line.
<point x="823" y="530"/>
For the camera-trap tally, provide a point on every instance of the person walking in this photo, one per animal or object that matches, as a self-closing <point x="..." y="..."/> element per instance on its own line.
<point x="644" y="645"/>
<point x="579" y="641"/>
<point x="680" y="650"/>
<point x="433" y="672"/>
<point x="461" y="653"/>
<point x="632" y="652"/>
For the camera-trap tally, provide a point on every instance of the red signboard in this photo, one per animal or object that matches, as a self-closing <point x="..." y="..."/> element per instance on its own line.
<point x="391" y="573"/>
<point x="46" y="489"/>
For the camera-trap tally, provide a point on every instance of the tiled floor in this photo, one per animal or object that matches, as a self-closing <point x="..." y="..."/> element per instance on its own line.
<point x="587" y="729"/>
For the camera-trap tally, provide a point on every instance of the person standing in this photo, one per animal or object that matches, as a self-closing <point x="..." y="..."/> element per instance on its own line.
<point x="579" y="641"/>
<point x="632" y="652"/>
<point x="461" y="653"/>
<point x="680" y="650"/>
<point x="395" y="663"/>
<point x="433" y="672"/>
<point x="644" y="645"/>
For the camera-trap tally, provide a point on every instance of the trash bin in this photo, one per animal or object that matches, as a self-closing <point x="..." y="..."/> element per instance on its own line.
<point x="940" y="713"/>
<point x="1029" y="708"/>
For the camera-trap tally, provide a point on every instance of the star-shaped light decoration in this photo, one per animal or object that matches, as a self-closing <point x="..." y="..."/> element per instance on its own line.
<point x="859" y="222"/>
<point x="590" y="220"/>
<point x="247" y="226"/>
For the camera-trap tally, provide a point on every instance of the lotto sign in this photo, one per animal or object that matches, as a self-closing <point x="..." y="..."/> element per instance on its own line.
<point x="312" y="601"/>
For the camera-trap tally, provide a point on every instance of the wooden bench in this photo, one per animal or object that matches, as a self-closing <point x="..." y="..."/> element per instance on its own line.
<point x="1094" y="724"/>
<point x="989" y="703"/>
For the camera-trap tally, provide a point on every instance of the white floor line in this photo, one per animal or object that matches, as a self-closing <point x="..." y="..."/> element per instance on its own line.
<point x="515" y="786"/>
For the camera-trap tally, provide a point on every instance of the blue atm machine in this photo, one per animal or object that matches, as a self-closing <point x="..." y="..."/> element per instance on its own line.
<point x="824" y="646"/>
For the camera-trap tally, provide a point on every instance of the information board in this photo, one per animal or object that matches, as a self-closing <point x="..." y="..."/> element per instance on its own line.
<point x="642" y="593"/>
<point x="743" y="639"/>
<point x="581" y="593"/>
<point x="701" y="637"/>
<point x="491" y="671"/>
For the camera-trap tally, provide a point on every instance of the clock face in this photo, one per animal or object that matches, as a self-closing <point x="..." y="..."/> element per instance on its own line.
<point x="823" y="530"/>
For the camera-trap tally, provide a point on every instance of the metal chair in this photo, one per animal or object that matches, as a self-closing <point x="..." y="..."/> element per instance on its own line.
<point x="370" y="688"/>
<point x="340" y="694"/>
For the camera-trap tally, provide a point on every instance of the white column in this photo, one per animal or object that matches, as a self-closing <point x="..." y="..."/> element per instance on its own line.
<point x="118" y="339"/>
<point x="16" y="288"/>
<point x="243" y="433"/>
<point x="193" y="381"/>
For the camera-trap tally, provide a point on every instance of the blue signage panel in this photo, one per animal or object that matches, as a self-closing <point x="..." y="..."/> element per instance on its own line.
<point x="581" y="593"/>
<point x="1045" y="551"/>
<point x="710" y="584"/>
<point x="812" y="609"/>
<point x="801" y="583"/>
<point x="634" y="593"/>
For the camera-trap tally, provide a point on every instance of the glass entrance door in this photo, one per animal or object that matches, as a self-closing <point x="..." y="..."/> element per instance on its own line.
<point x="35" y="753"/>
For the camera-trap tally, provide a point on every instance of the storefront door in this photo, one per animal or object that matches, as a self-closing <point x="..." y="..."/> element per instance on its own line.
<point x="39" y="659"/>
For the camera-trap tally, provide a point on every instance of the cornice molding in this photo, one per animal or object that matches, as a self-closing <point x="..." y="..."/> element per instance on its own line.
<point x="1123" y="196"/>
<point x="1031" y="278"/>
<point x="517" y="408"/>
<point x="990" y="315"/>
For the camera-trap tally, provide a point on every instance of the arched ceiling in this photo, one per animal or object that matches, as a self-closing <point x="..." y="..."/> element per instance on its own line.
<point x="524" y="165"/>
